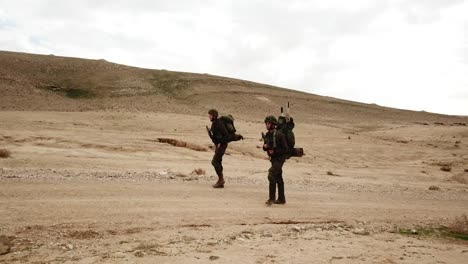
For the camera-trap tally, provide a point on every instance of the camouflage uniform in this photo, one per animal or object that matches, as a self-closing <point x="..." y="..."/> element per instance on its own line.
<point x="220" y="136"/>
<point x="277" y="159"/>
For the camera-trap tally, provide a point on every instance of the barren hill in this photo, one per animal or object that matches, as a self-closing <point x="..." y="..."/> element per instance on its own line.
<point x="53" y="83"/>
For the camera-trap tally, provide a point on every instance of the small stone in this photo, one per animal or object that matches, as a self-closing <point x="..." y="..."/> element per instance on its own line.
<point x="214" y="257"/>
<point x="414" y="231"/>
<point x="360" y="231"/>
<point x="434" y="188"/>
<point x="296" y="228"/>
<point x="119" y="255"/>
<point x="69" y="246"/>
<point x="139" y="254"/>
<point x="319" y="229"/>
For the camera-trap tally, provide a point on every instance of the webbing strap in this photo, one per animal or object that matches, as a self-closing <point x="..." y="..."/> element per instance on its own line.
<point x="274" y="139"/>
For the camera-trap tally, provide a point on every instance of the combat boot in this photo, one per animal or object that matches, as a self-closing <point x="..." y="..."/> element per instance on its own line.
<point x="219" y="183"/>
<point x="281" y="198"/>
<point x="271" y="194"/>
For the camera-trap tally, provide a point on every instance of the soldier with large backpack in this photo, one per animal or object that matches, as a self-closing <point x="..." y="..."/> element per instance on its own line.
<point x="222" y="132"/>
<point x="279" y="142"/>
<point x="276" y="146"/>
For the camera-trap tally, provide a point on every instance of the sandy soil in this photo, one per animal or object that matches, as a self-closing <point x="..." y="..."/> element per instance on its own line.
<point x="99" y="187"/>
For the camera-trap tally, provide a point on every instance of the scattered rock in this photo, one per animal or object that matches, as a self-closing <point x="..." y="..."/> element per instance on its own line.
<point x="139" y="254"/>
<point x="414" y="231"/>
<point x="360" y="231"/>
<point x="119" y="255"/>
<point x="5" y="245"/>
<point x="199" y="171"/>
<point x="214" y="257"/>
<point x="434" y="188"/>
<point x="296" y="228"/>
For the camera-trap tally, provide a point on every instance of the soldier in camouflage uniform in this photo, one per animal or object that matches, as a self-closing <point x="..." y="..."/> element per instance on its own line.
<point x="276" y="146"/>
<point x="220" y="137"/>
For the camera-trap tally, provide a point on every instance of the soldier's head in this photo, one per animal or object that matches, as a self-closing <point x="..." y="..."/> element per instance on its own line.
<point x="270" y="122"/>
<point x="213" y="114"/>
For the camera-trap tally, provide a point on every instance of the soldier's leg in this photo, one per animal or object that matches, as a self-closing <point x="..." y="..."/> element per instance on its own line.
<point x="218" y="159"/>
<point x="274" y="173"/>
<point x="280" y="182"/>
<point x="218" y="166"/>
<point x="272" y="185"/>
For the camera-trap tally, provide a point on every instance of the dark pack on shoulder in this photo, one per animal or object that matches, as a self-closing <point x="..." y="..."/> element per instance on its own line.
<point x="228" y="121"/>
<point x="286" y="126"/>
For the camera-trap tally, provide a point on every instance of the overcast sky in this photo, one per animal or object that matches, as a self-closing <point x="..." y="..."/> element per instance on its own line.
<point x="410" y="54"/>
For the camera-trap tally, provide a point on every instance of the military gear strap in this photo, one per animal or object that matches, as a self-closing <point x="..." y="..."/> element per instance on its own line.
<point x="274" y="139"/>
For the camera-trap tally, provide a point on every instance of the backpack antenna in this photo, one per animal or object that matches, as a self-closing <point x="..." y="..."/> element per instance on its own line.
<point x="287" y="114"/>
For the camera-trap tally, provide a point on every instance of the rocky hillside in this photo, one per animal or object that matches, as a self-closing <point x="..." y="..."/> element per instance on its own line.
<point x="30" y="82"/>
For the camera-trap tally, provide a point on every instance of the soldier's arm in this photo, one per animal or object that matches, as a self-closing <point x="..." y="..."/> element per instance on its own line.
<point x="210" y="134"/>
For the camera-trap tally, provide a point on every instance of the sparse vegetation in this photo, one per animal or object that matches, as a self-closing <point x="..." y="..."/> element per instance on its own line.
<point x="446" y="168"/>
<point x="182" y="144"/>
<point x="78" y="93"/>
<point x="5" y="153"/>
<point x="149" y="248"/>
<point x="459" y="227"/>
<point x="74" y="93"/>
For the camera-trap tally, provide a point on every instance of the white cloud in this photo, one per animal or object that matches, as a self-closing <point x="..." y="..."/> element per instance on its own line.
<point x="397" y="53"/>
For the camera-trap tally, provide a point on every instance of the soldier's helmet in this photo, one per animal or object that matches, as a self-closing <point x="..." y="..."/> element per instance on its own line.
<point x="213" y="112"/>
<point x="271" y="119"/>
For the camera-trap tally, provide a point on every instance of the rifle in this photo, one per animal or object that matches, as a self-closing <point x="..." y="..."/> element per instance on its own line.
<point x="210" y="134"/>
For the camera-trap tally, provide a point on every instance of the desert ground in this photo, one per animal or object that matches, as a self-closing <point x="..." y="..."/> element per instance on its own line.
<point x="104" y="163"/>
<point x="99" y="187"/>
